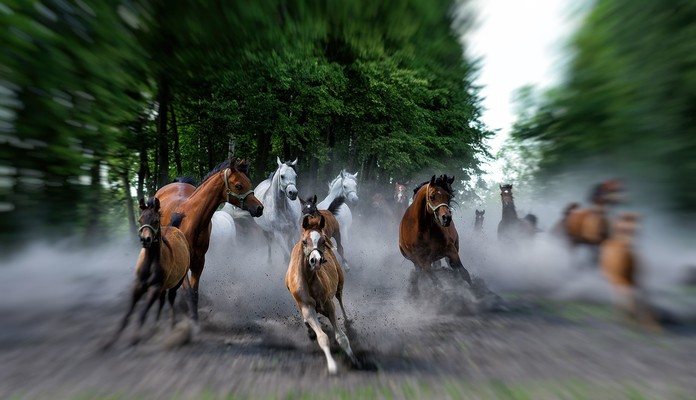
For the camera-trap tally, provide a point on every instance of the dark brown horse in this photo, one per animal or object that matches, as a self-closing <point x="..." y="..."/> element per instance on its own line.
<point x="226" y="182"/>
<point x="478" y="222"/>
<point x="427" y="233"/>
<point x="331" y="227"/>
<point x="590" y="226"/>
<point x="162" y="264"/>
<point x="511" y="227"/>
<point x="314" y="278"/>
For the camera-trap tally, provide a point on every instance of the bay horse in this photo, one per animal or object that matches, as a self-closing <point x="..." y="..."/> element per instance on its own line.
<point x="590" y="226"/>
<point x="281" y="207"/>
<point x="331" y="227"/>
<point x="478" y="222"/>
<point x="346" y="185"/>
<point x="227" y="182"/>
<point x="512" y="227"/>
<point x="314" y="277"/>
<point x="427" y="232"/>
<point x="161" y="267"/>
<point x="620" y="266"/>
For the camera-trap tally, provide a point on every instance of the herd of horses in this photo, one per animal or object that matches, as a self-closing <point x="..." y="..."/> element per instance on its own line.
<point x="182" y="221"/>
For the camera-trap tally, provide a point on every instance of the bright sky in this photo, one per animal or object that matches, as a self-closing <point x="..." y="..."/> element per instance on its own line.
<point x="520" y="43"/>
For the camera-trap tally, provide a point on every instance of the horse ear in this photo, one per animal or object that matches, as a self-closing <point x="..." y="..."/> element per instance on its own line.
<point x="483" y="212"/>
<point x="322" y="222"/>
<point x="278" y="161"/>
<point x="314" y="199"/>
<point x="501" y="186"/>
<point x="451" y="179"/>
<point x="343" y="173"/>
<point x="157" y="204"/>
<point x="294" y="162"/>
<point x="141" y="204"/>
<point x="355" y="175"/>
<point x="233" y="164"/>
<point x="432" y="180"/>
<point x="302" y="201"/>
<point x="305" y="222"/>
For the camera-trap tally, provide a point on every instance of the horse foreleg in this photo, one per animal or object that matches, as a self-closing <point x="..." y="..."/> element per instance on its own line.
<point x="339" y="296"/>
<point x="341" y="337"/>
<point x="269" y="240"/>
<point x="456" y="263"/>
<point x="339" y="247"/>
<point x="171" y="295"/>
<point x="161" y="304"/>
<point x="138" y="292"/>
<point x="188" y="294"/>
<point x="322" y="338"/>
<point x="153" y="293"/>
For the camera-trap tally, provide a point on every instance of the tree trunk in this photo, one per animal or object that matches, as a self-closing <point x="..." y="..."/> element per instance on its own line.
<point x="263" y="146"/>
<point x="94" y="229"/>
<point x="129" y="201"/>
<point x="177" y="151"/>
<point x="162" y="134"/>
<point x="231" y="145"/>
<point x="144" y="170"/>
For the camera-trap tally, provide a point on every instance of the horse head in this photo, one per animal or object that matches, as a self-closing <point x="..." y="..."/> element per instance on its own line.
<point x="478" y="222"/>
<point x="287" y="178"/>
<point x="314" y="242"/>
<point x="309" y="206"/>
<point x="149" y="221"/>
<point x="238" y="186"/>
<point x="378" y="200"/>
<point x="506" y="194"/>
<point x="349" y="185"/>
<point x="438" y="197"/>
<point x="608" y="192"/>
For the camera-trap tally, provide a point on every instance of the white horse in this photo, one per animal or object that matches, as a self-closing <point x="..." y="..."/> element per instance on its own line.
<point x="223" y="233"/>
<point x="281" y="207"/>
<point x="346" y="185"/>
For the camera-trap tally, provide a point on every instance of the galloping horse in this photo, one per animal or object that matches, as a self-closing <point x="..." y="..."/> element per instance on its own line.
<point x="162" y="264"/>
<point x="346" y="185"/>
<point x="512" y="227"/>
<point x="478" y="222"/>
<point x="619" y="264"/>
<point x="427" y="233"/>
<point x="331" y="227"/>
<point x="314" y="278"/>
<point x="590" y="226"/>
<point x="282" y="208"/>
<point x="226" y="182"/>
<point x="400" y="198"/>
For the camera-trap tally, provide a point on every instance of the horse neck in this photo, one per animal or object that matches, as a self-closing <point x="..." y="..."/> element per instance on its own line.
<point x="420" y="204"/>
<point x="334" y="190"/>
<point x="509" y="211"/>
<point x="203" y="203"/>
<point x="274" y="195"/>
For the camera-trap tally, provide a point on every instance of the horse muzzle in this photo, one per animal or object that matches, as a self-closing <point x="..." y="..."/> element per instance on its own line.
<point x="291" y="193"/>
<point x="445" y="220"/>
<point x="256" y="211"/>
<point x="146" y="241"/>
<point x="352" y="197"/>
<point x="315" y="259"/>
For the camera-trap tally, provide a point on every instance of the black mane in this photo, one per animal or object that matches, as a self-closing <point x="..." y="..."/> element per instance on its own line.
<point x="241" y="166"/>
<point x="440" y="181"/>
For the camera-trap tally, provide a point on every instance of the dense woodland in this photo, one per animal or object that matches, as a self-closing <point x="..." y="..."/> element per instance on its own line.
<point x="627" y="104"/>
<point x="100" y="97"/>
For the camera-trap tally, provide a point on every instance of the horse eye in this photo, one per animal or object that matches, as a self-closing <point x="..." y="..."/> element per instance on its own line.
<point x="238" y="186"/>
<point x="304" y="242"/>
<point x="432" y="197"/>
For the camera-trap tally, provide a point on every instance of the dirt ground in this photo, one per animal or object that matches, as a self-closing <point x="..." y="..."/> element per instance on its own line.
<point x="58" y="307"/>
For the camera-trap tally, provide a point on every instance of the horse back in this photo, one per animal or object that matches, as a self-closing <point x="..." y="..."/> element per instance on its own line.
<point x="586" y="226"/>
<point x="171" y="196"/>
<point x="175" y="256"/>
<point x="331" y="225"/>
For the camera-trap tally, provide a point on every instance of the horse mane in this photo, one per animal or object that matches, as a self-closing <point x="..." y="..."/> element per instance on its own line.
<point x="241" y="166"/>
<point x="439" y="181"/>
<point x="336" y="204"/>
<point x="186" y="179"/>
<point x="334" y="181"/>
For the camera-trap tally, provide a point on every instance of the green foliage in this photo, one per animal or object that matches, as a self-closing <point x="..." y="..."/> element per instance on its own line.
<point x="377" y="87"/>
<point x="628" y="101"/>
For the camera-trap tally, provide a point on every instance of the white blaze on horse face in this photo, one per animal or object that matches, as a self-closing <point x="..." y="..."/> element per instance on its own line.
<point x="314" y="254"/>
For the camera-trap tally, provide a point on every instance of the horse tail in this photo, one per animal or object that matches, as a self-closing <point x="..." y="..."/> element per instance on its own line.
<point x="176" y="220"/>
<point x="186" y="179"/>
<point x="336" y="204"/>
